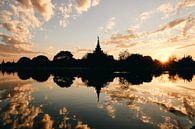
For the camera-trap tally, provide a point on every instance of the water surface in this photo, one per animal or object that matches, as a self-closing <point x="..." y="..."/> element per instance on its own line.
<point x="95" y="101"/>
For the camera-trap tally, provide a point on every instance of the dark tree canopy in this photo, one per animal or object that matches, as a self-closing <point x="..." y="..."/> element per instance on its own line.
<point x="40" y="60"/>
<point x="124" y="55"/>
<point x="24" y="61"/>
<point x="186" y="62"/>
<point x="63" y="55"/>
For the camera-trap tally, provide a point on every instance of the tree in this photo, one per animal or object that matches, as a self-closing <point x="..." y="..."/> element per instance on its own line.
<point x="63" y="55"/>
<point x="186" y="62"/>
<point x="40" y="60"/>
<point x="24" y="61"/>
<point x="124" y="55"/>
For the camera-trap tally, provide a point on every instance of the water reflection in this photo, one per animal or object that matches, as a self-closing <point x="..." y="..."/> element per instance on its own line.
<point x="147" y="100"/>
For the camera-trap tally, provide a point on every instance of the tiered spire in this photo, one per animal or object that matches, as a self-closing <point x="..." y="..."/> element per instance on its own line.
<point x="98" y="48"/>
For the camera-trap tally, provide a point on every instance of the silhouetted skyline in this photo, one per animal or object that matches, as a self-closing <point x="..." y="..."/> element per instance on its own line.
<point x="98" y="59"/>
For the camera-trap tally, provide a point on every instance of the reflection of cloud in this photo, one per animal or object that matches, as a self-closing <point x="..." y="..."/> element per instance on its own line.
<point x="177" y="100"/>
<point x="167" y="124"/>
<point x="78" y="83"/>
<point x="19" y="112"/>
<point x="80" y="125"/>
<point x="66" y="121"/>
<point x="46" y="122"/>
<point x="108" y="105"/>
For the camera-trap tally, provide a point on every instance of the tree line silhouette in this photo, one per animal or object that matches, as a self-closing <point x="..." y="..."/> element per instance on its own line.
<point x="126" y="62"/>
<point x="100" y="60"/>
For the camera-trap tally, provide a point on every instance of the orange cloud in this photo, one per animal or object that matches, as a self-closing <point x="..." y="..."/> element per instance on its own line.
<point x="84" y="5"/>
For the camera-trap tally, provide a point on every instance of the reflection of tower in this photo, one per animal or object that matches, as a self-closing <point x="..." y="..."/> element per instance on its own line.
<point x="98" y="90"/>
<point x="98" y="49"/>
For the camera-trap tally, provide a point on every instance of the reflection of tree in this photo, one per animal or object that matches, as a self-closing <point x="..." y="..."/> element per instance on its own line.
<point x="63" y="81"/>
<point x="186" y="75"/>
<point x="97" y="79"/>
<point x="136" y="78"/>
<point x="23" y="75"/>
<point x="181" y="75"/>
<point x="38" y="75"/>
<point x="24" y="61"/>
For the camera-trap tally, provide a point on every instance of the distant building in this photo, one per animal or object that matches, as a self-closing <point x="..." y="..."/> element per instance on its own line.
<point x="98" y="49"/>
<point x="99" y="52"/>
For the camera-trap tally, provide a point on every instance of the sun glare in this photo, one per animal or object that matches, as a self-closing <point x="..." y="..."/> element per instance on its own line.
<point x="164" y="59"/>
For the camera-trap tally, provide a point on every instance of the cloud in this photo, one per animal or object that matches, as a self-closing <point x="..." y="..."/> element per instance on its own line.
<point x="185" y="4"/>
<point x="95" y="2"/>
<point x="84" y="5"/>
<point x="175" y="33"/>
<point x="171" y="24"/>
<point x="170" y="9"/>
<point x="65" y="11"/>
<point x="166" y="8"/>
<point x="17" y="21"/>
<point x="80" y="52"/>
<point x="186" y="46"/>
<point x="44" y="7"/>
<point x="144" y="16"/>
<point x="121" y="40"/>
<point x="14" y="46"/>
<point x="183" y="27"/>
<point x="110" y="24"/>
<point x="189" y="26"/>
<point x="108" y="27"/>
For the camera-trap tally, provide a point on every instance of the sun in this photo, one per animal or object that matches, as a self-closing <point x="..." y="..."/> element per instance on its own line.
<point x="164" y="59"/>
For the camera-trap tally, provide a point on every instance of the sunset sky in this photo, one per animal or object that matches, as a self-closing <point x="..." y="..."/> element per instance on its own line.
<point x="159" y="28"/>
